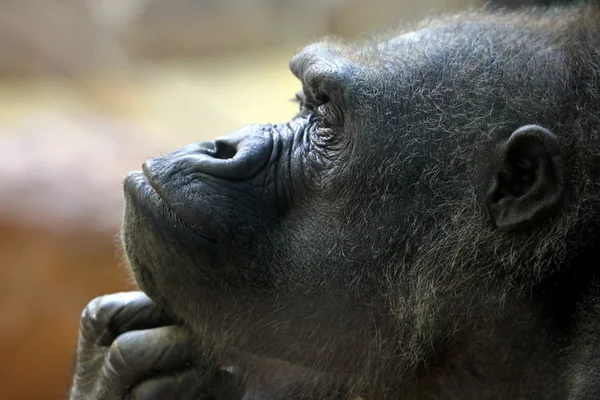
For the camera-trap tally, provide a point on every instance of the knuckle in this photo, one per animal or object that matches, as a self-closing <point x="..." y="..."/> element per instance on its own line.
<point x="92" y="321"/>
<point x="97" y="316"/>
<point x="125" y="359"/>
<point x="115" y="354"/>
<point x="118" y="354"/>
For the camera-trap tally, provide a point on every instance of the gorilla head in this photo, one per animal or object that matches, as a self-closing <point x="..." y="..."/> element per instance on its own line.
<point x="434" y="184"/>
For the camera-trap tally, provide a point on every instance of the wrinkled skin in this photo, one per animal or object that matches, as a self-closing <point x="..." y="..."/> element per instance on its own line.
<point x="426" y="227"/>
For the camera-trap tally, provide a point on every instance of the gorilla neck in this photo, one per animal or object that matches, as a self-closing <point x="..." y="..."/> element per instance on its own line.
<point x="509" y="353"/>
<point x="467" y="275"/>
<point x="306" y="332"/>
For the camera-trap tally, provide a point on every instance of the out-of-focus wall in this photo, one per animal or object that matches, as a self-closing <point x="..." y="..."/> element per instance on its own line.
<point x="60" y="208"/>
<point x="75" y="36"/>
<point x="88" y="90"/>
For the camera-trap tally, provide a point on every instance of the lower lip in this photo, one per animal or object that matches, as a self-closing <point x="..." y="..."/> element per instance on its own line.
<point x="137" y="185"/>
<point x="137" y="180"/>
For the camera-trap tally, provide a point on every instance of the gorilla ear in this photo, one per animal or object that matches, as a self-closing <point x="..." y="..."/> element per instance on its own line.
<point x="527" y="180"/>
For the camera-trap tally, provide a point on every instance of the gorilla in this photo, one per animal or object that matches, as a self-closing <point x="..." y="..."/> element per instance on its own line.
<point x="426" y="227"/>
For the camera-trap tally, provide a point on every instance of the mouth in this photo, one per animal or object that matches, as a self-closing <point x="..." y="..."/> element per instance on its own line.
<point x="138" y="186"/>
<point x="146" y="194"/>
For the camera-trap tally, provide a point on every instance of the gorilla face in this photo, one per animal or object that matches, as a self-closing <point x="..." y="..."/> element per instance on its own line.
<point x="402" y="179"/>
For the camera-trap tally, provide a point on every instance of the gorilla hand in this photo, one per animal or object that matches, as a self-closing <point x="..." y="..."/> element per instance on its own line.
<point x="128" y="348"/>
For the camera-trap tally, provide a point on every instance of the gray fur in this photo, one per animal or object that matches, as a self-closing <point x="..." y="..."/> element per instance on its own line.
<point x="365" y="251"/>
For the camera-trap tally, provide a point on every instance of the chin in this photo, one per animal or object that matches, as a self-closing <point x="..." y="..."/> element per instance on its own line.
<point x="161" y="250"/>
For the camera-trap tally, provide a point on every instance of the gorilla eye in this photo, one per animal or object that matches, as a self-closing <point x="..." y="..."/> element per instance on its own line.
<point x="322" y="98"/>
<point x="318" y="109"/>
<point x="311" y="102"/>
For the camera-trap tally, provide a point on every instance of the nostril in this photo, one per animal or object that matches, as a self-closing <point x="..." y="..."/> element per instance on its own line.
<point x="223" y="150"/>
<point x="241" y="155"/>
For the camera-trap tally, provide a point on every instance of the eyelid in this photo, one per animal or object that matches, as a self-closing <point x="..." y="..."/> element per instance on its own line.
<point x="322" y="109"/>
<point x="330" y="114"/>
<point x="315" y="117"/>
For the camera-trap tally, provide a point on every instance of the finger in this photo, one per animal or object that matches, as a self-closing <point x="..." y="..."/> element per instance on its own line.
<point x="106" y="317"/>
<point x="137" y="355"/>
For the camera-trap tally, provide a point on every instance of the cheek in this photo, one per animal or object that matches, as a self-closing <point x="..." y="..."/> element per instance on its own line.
<point x="313" y="250"/>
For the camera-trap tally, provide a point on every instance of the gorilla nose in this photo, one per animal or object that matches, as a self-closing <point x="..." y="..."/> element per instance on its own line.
<point x="240" y="155"/>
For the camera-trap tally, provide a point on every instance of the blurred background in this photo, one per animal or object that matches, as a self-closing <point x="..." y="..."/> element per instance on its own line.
<point x="88" y="90"/>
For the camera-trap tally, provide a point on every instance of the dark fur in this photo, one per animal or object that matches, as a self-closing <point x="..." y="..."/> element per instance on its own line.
<point x="368" y="251"/>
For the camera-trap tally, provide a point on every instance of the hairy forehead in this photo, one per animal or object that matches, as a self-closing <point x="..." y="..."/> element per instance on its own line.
<point x="461" y="39"/>
<point x="490" y="51"/>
